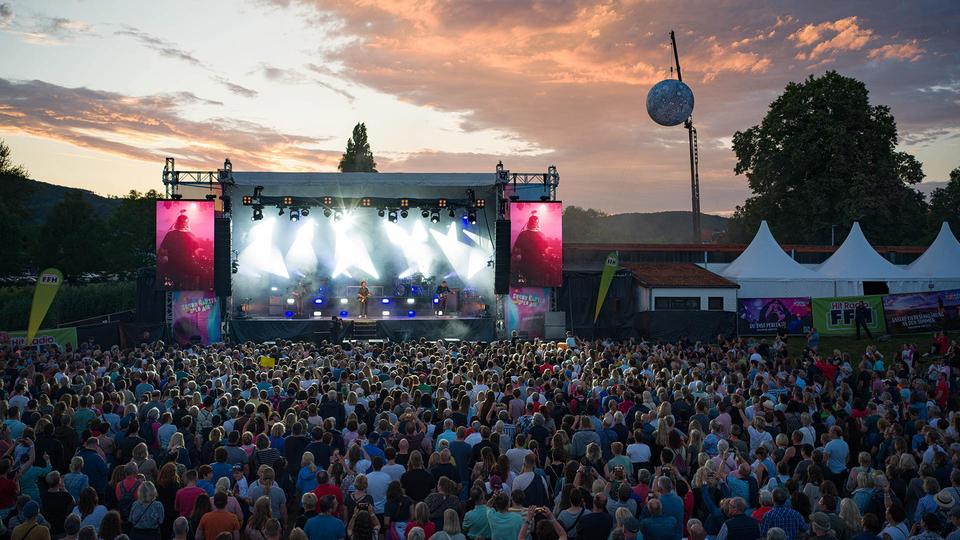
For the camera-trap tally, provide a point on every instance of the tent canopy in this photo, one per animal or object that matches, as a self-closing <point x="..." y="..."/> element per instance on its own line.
<point x="856" y="260"/>
<point x="765" y="260"/>
<point x="941" y="259"/>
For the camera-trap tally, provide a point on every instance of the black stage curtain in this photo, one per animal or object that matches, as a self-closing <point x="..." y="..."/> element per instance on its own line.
<point x="104" y="334"/>
<point x="432" y="329"/>
<point x="151" y="302"/>
<point x="578" y="298"/>
<point x="702" y="326"/>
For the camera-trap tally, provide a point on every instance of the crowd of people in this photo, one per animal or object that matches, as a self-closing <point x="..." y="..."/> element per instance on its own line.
<point x="510" y="440"/>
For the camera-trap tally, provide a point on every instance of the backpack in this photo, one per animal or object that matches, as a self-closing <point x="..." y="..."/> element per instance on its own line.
<point x="127" y="497"/>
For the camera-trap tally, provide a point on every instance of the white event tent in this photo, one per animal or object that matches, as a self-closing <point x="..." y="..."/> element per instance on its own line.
<point x="856" y="262"/>
<point x="764" y="270"/>
<point x="939" y="266"/>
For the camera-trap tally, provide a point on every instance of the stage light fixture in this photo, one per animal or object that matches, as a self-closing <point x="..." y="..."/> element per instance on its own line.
<point x="318" y="314"/>
<point x="481" y="203"/>
<point x="318" y="301"/>
<point x="337" y="216"/>
<point x="384" y="301"/>
<point x="424" y="213"/>
<point x="385" y="313"/>
<point x="257" y="191"/>
<point x="440" y="313"/>
<point x="392" y="216"/>
<point x="343" y="300"/>
<point x="247" y="200"/>
<point x="280" y="212"/>
<point x="274" y="289"/>
<point x="344" y="313"/>
<point x="257" y="213"/>
<point x="411" y="314"/>
<point x="365" y="202"/>
<point x="380" y="212"/>
<point x="287" y="201"/>
<point x="442" y="203"/>
<point x="453" y="213"/>
<point x="294" y="215"/>
<point x="435" y="217"/>
<point x="327" y="212"/>
<point x="304" y="212"/>
<point x="404" y="203"/>
<point x="289" y="314"/>
<point x="404" y="213"/>
<point x="472" y="217"/>
<point x="176" y="196"/>
<point x="328" y="201"/>
<point x="411" y="301"/>
<point x="436" y="300"/>
<point x="291" y="301"/>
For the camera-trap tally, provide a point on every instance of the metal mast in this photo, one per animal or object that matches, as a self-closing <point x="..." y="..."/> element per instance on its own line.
<point x="694" y="155"/>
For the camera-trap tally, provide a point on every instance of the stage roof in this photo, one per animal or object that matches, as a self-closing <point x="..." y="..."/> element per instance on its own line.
<point x="332" y="179"/>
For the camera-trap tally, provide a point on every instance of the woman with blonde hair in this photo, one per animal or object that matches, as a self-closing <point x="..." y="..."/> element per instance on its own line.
<point x="177" y="451"/>
<point x="145" y="464"/>
<point x="759" y="436"/>
<point x="146" y="514"/>
<point x="850" y="514"/>
<point x="421" y="520"/>
<point x="307" y="477"/>
<point x="233" y="505"/>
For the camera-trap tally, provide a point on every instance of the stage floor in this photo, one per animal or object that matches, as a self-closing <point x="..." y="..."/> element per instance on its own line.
<point x="391" y="328"/>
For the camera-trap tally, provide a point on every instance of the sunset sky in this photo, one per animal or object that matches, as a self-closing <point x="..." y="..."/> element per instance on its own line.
<point x="95" y="94"/>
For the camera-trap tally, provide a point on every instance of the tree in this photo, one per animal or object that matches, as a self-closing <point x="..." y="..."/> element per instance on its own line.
<point x="582" y="224"/>
<point x="14" y="190"/>
<point x="72" y="238"/>
<point x="131" y="229"/>
<point x="945" y="206"/>
<point x="358" y="157"/>
<point x="824" y="157"/>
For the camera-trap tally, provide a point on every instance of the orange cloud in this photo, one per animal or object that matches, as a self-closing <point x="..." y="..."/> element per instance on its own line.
<point x="910" y="50"/>
<point x="844" y="35"/>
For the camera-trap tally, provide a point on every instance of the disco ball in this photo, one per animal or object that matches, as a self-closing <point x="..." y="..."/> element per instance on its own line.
<point x="670" y="102"/>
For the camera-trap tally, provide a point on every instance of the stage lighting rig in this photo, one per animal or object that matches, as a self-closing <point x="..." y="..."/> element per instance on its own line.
<point x="404" y="203"/>
<point x="304" y="212"/>
<point x="404" y="213"/>
<point x="294" y="215"/>
<point x="392" y="216"/>
<point x="327" y="212"/>
<point x="424" y="213"/>
<point x="381" y="212"/>
<point x="480" y="203"/>
<point x="247" y="200"/>
<point x="365" y="202"/>
<point x="337" y="216"/>
<point x="257" y="213"/>
<point x="453" y="213"/>
<point x="280" y="213"/>
<point x="435" y="217"/>
<point x="472" y="217"/>
<point x="288" y="201"/>
<point x="257" y="192"/>
<point x="442" y="203"/>
<point x="328" y="201"/>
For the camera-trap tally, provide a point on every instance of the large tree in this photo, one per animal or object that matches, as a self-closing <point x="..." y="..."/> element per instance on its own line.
<point x="132" y="232"/>
<point x="14" y="231"/>
<point x="824" y="157"/>
<point x="72" y="239"/>
<point x="945" y="205"/>
<point x="358" y="157"/>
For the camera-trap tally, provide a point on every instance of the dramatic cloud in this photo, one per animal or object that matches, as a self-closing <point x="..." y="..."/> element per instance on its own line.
<point x="841" y="35"/>
<point x="149" y="128"/>
<point x="909" y="50"/>
<point x="6" y="13"/>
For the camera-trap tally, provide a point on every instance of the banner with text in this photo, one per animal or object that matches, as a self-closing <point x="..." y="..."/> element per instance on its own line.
<point x="837" y="316"/>
<point x="61" y="337"/>
<point x="525" y="310"/>
<point x="764" y="316"/>
<point x="922" y="312"/>
<point x="196" y="316"/>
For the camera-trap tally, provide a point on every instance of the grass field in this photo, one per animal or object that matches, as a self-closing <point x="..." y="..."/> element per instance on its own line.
<point x="889" y="348"/>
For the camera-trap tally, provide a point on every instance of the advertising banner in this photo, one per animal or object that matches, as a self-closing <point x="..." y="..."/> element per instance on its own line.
<point x="196" y="315"/>
<point x="922" y="312"/>
<point x="837" y="316"/>
<point x="536" y="244"/>
<point x="606" y="278"/>
<point x="61" y="337"/>
<point x="48" y="284"/>
<point x="764" y="316"/>
<point x="525" y="310"/>
<point x="185" y="245"/>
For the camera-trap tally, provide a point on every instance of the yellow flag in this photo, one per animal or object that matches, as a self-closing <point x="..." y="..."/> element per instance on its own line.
<point x="48" y="283"/>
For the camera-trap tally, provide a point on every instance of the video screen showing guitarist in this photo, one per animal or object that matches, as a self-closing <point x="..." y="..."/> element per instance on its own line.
<point x="363" y="295"/>
<point x="181" y="259"/>
<point x="443" y="292"/>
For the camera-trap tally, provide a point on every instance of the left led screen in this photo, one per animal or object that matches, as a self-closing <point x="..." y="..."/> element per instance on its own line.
<point x="185" y="245"/>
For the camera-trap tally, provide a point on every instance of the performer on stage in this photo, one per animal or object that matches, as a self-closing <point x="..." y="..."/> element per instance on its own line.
<point x="363" y="294"/>
<point x="299" y="293"/>
<point x="443" y="291"/>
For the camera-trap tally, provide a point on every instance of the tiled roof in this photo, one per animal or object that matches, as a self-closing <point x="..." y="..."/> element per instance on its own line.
<point x="678" y="275"/>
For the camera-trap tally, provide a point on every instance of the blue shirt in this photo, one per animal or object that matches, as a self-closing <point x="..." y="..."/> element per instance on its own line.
<point x="787" y="519"/>
<point x="839" y="452"/>
<point x="325" y="527"/>
<point x="221" y="470"/>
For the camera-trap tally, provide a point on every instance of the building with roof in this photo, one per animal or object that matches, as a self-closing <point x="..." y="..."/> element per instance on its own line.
<point x="681" y="287"/>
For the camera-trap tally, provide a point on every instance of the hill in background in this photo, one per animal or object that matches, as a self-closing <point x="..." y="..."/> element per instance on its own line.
<point x="651" y="228"/>
<point x="44" y="197"/>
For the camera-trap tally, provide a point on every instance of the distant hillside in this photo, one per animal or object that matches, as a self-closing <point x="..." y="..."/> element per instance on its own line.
<point x="654" y="228"/>
<point x="45" y="197"/>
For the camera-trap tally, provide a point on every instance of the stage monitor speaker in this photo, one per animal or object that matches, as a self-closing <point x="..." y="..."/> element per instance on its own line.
<point x="222" y="258"/>
<point x="501" y="274"/>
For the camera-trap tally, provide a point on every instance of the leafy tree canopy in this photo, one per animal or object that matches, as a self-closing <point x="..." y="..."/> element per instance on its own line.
<point x="358" y="157"/>
<point x="945" y="206"/>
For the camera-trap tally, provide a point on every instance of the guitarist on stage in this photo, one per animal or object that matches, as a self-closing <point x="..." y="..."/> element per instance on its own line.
<point x="363" y="294"/>
<point x="443" y="291"/>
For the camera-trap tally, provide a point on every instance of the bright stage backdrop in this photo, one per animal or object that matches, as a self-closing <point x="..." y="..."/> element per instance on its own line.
<point x="536" y="244"/>
<point x="525" y="309"/>
<point x="763" y="316"/>
<point x="196" y="313"/>
<point x="836" y="316"/>
<point x="922" y="312"/>
<point x="185" y="245"/>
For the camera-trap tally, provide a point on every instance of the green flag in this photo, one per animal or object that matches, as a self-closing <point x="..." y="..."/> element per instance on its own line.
<point x="609" y="268"/>
<point x="48" y="283"/>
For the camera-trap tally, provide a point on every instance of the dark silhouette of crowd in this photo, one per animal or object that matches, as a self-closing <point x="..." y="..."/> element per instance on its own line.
<point x="451" y="440"/>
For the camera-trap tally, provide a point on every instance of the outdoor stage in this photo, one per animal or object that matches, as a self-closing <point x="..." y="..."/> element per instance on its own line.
<point x="393" y="329"/>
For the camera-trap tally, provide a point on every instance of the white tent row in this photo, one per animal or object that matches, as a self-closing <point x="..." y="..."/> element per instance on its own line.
<point x="765" y="270"/>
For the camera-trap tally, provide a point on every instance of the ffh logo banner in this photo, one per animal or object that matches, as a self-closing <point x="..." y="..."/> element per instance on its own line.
<point x="48" y="284"/>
